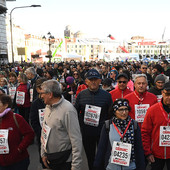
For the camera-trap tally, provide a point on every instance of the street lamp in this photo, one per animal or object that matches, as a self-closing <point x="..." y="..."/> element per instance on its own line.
<point x="51" y="40"/>
<point x="11" y="26"/>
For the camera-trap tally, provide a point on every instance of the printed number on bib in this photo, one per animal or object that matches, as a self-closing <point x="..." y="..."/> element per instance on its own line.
<point x="140" y="112"/>
<point x="121" y="153"/>
<point x="31" y="95"/>
<point x="4" y="148"/>
<point x="164" y="138"/>
<point x="92" y="115"/>
<point x="41" y="116"/>
<point x="12" y="91"/>
<point x="20" y="98"/>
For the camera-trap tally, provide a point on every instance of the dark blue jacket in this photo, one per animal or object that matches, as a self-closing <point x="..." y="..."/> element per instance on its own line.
<point x="104" y="150"/>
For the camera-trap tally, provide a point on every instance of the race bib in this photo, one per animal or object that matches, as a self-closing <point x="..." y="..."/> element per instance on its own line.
<point x="4" y="148"/>
<point x="164" y="138"/>
<point x="31" y="95"/>
<point x="140" y="112"/>
<point x="20" y="98"/>
<point x="41" y="116"/>
<point x="121" y="153"/>
<point x="92" y="115"/>
<point x="159" y="97"/>
<point x="44" y="135"/>
<point x="12" y="91"/>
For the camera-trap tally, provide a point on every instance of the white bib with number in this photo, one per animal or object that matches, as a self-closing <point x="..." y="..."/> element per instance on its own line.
<point x="20" y="98"/>
<point x="164" y="138"/>
<point x="92" y="115"/>
<point x="41" y="116"/>
<point x="44" y="135"/>
<point x="4" y="148"/>
<point x="121" y="153"/>
<point x="159" y="97"/>
<point x="12" y="91"/>
<point x="31" y="95"/>
<point x="140" y="111"/>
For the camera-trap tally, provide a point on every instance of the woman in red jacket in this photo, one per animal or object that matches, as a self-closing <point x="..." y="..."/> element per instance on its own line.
<point x="23" y="96"/>
<point x="15" y="136"/>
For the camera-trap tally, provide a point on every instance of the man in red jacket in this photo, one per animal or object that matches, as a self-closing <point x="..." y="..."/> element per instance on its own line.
<point x="156" y="132"/>
<point x="140" y="100"/>
<point x="122" y="89"/>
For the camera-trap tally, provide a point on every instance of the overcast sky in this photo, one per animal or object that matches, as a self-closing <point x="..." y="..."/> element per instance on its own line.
<point x="97" y="18"/>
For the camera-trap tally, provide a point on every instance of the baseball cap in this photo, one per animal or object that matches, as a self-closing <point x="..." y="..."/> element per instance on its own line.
<point x="166" y="86"/>
<point x="122" y="75"/>
<point x="93" y="73"/>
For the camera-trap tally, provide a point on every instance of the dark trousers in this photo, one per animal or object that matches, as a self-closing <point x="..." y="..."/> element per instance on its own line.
<point x="65" y="166"/>
<point x="24" y="112"/>
<point x="90" y="144"/>
<point x="160" y="163"/>
<point x="22" y="165"/>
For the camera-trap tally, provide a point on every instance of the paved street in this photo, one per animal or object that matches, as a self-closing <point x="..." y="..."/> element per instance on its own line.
<point x="34" y="159"/>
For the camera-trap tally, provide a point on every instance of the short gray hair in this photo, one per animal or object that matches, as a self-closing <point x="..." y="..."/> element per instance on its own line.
<point x="140" y="75"/>
<point x="52" y="86"/>
<point x="31" y="70"/>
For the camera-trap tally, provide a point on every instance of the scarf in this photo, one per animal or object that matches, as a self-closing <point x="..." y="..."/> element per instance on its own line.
<point x="129" y="135"/>
<point x="4" y="112"/>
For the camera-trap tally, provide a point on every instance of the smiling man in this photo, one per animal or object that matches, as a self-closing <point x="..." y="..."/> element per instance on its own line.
<point x="92" y="105"/>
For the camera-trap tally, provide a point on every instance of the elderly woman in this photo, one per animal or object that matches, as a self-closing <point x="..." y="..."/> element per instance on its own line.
<point x="15" y="136"/>
<point x="120" y="145"/>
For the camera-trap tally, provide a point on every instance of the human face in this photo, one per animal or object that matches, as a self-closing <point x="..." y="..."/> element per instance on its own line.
<point x="166" y="97"/>
<point x="122" y="112"/>
<point x="122" y="83"/>
<point x="163" y="64"/>
<point x="75" y="75"/>
<point x="141" y="84"/>
<point x="144" y="69"/>
<point x="112" y="75"/>
<point x="159" y="85"/>
<point x="12" y="79"/>
<point x="2" y="83"/>
<point x="93" y="84"/>
<point x="3" y="107"/>
<point x="45" y="96"/>
<point x="19" y="79"/>
<point x="29" y="75"/>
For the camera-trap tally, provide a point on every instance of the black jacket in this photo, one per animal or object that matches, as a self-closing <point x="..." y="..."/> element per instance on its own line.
<point x="99" y="98"/>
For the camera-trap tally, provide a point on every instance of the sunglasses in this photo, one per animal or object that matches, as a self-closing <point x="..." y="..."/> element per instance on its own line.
<point x="124" y="82"/>
<point x="144" y="68"/>
<point x="75" y="74"/>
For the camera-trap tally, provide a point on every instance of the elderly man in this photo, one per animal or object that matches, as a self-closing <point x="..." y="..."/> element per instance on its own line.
<point x="61" y="141"/>
<point x="122" y="90"/>
<point x="156" y="132"/>
<point x="92" y="105"/>
<point x="140" y="100"/>
<point x="33" y="76"/>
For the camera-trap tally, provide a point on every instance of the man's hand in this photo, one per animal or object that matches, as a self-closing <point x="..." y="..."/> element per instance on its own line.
<point x="151" y="158"/>
<point x="44" y="159"/>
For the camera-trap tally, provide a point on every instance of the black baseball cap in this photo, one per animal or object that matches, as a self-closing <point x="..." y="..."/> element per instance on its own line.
<point x="122" y="75"/>
<point x="93" y="73"/>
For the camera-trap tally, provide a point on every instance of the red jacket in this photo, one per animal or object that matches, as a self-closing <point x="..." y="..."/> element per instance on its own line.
<point x="117" y="93"/>
<point x="17" y="138"/>
<point x="151" y="131"/>
<point x="148" y="98"/>
<point x="24" y="88"/>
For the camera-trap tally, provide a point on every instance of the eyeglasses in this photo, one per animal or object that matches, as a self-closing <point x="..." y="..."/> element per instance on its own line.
<point x="122" y="110"/>
<point x="124" y="82"/>
<point x="144" y="67"/>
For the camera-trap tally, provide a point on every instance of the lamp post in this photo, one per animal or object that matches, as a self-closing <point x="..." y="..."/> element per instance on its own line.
<point x="50" y="42"/>
<point x="11" y="26"/>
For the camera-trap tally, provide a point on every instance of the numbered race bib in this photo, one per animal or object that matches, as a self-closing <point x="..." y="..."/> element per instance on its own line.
<point x="31" y="95"/>
<point x="73" y="99"/>
<point x="92" y="115"/>
<point x="44" y="135"/>
<point x="4" y="148"/>
<point x="140" y="112"/>
<point x="12" y="91"/>
<point x="159" y="97"/>
<point x="20" y="98"/>
<point x="41" y="116"/>
<point x="164" y="138"/>
<point x="121" y="153"/>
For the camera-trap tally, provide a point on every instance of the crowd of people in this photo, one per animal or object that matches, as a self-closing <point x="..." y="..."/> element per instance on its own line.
<point x="118" y="112"/>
